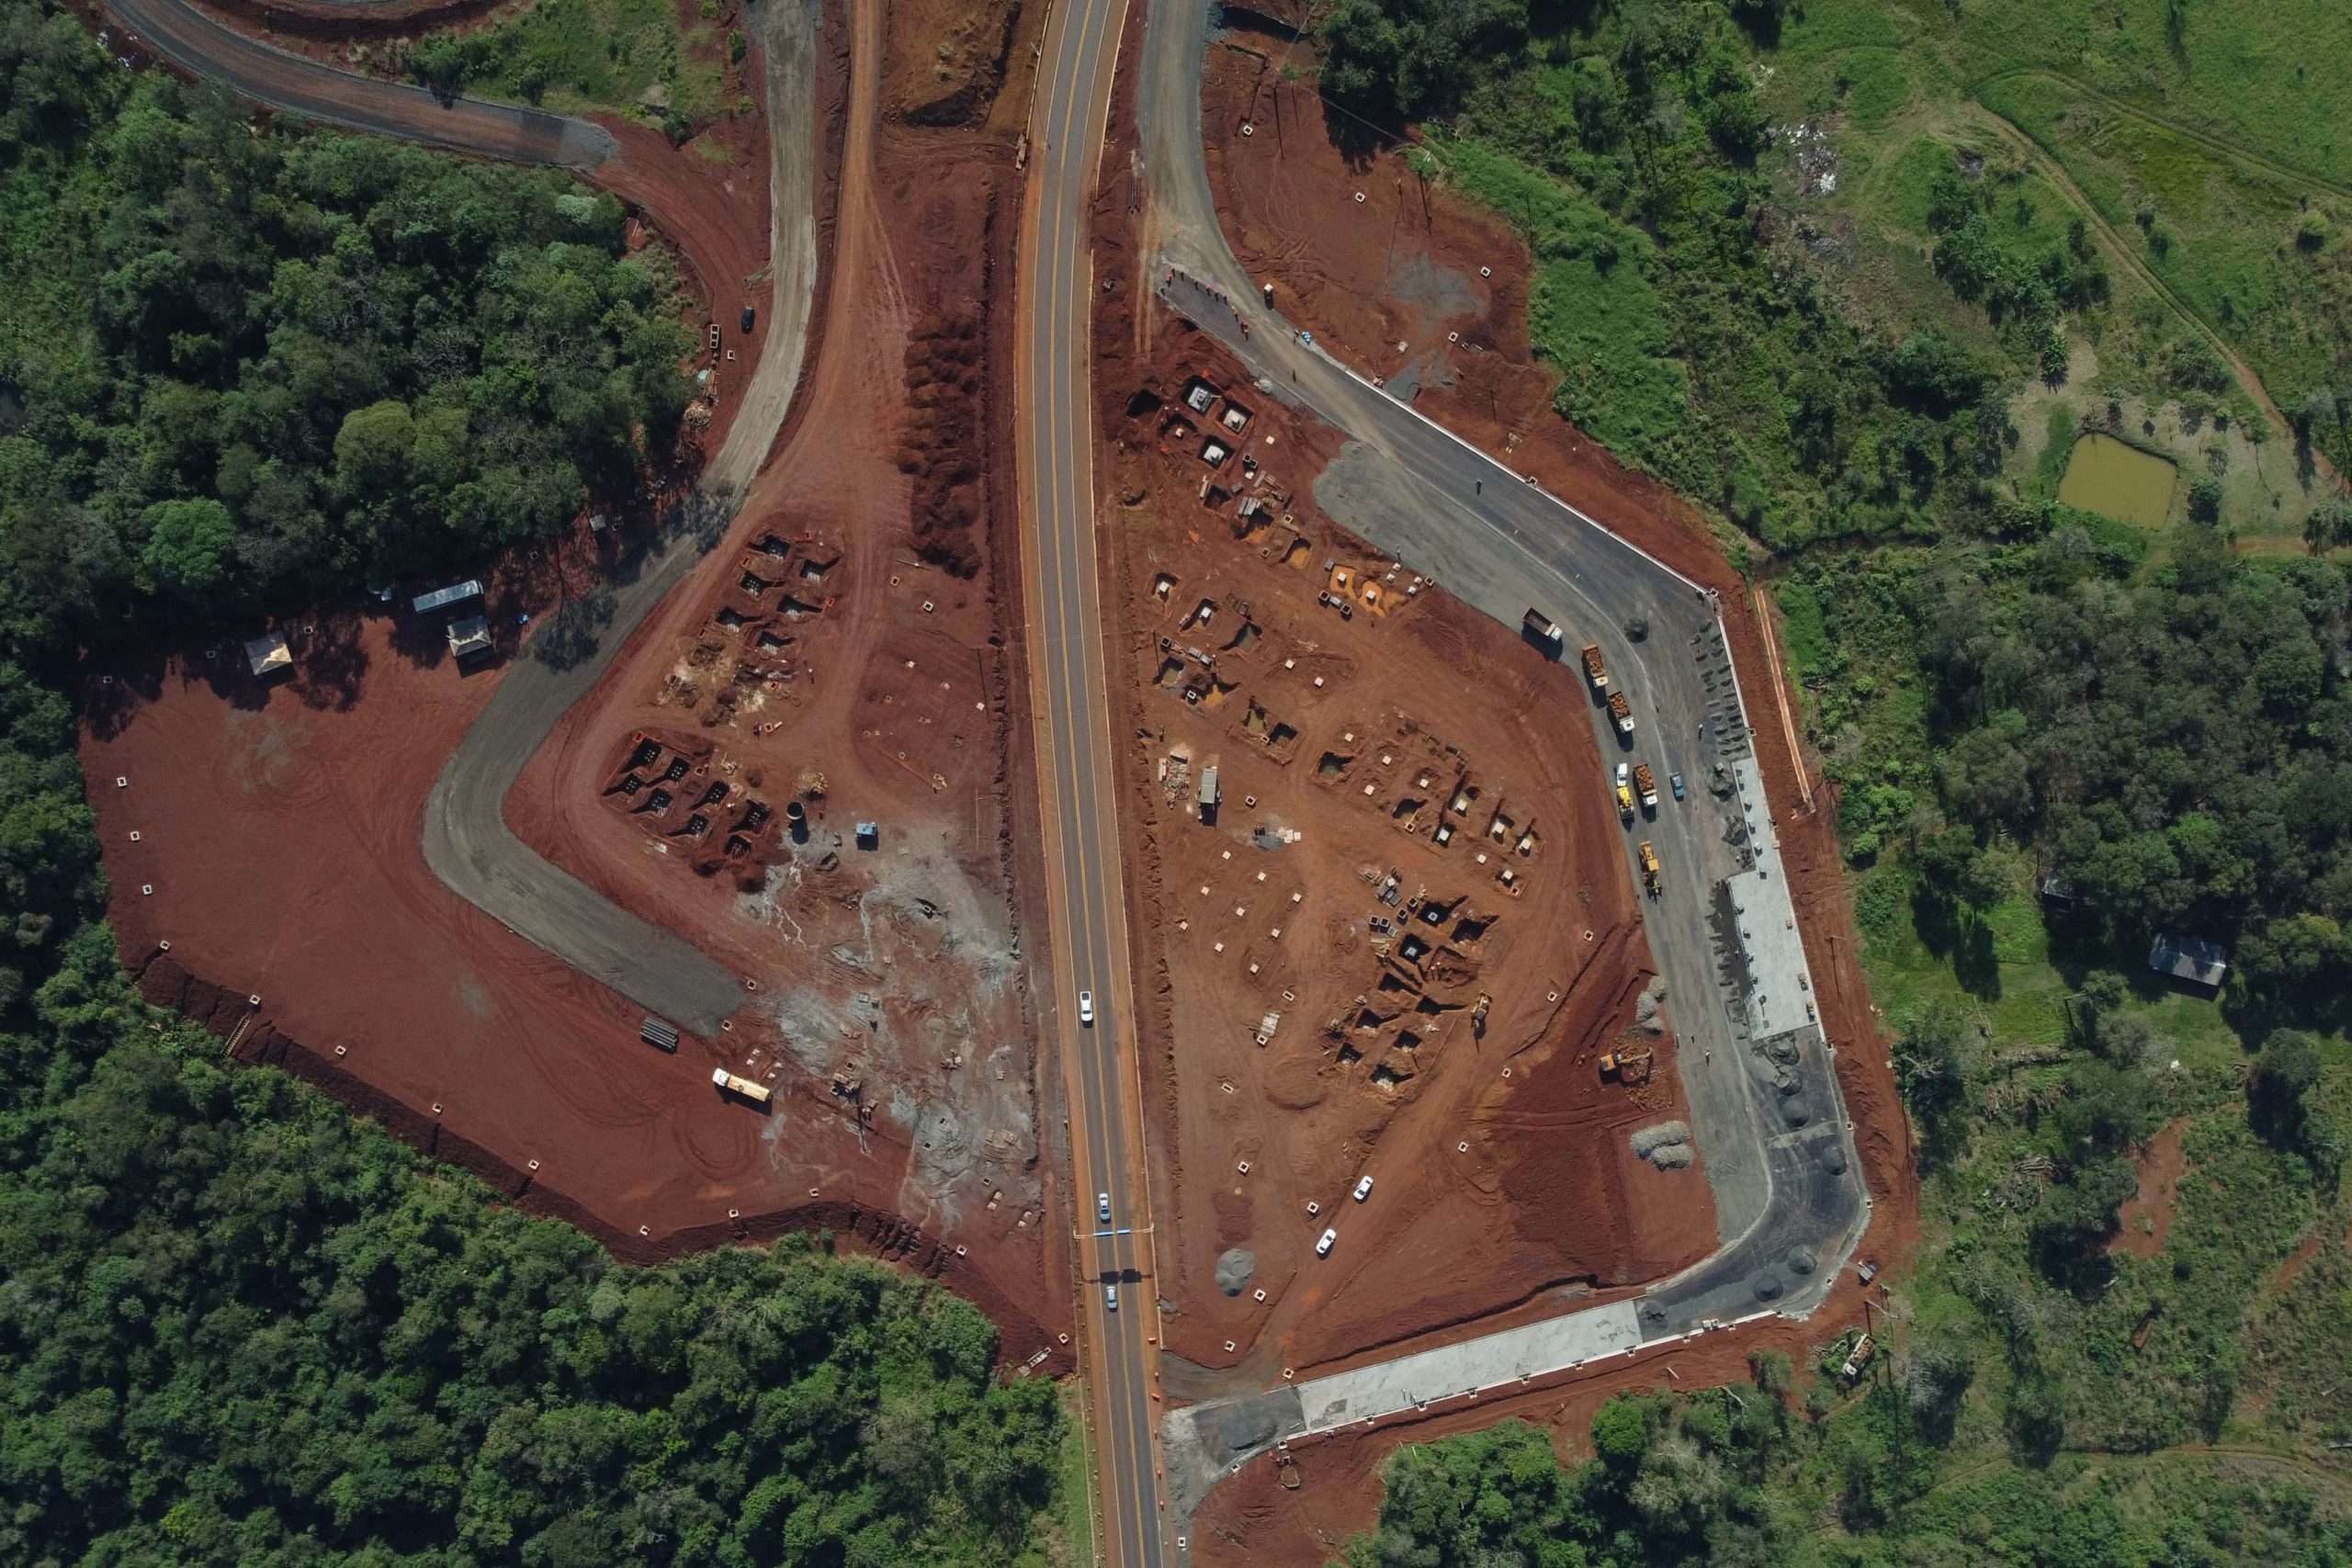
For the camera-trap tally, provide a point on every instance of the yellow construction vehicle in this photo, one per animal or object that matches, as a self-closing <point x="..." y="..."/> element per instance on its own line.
<point x="1649" y="868"/>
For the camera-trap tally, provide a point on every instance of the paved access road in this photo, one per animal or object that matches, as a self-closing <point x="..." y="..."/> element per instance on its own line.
<point x="1501" y="544"/>
<point x="466" y="840"/>
<point x="1068" y="119"/>
<point x="181" y="34"/>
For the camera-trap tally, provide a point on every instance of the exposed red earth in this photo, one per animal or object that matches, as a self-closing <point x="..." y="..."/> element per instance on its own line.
<point x="1405" y="265"/>
<point x="1397" y="740"/>
<point x="885" y="995"/>
<point x="1410" y="265"/>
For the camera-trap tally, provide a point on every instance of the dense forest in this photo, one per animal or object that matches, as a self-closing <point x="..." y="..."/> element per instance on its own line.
<point x="1726" y="1479"/>
<point x="239" y="366"/>
<point x="2174" y="734"/>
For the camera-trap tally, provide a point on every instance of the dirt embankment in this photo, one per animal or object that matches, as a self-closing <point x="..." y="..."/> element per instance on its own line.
<point x="1299" y="1507"/>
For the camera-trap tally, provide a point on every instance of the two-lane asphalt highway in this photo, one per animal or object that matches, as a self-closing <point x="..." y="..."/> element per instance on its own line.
<point x="1068" y="117"/>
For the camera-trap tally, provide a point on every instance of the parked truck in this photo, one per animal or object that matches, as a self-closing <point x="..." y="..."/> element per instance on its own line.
<point x="1624" y="794"/>
<point x="1649" y="868"/>
<point x="1543" y="631"/>
<point x="729" y="1083"/>
<point x="1623" y="712"/>
<point x="1595" y="670"/>
<point x="1645" y="785"/>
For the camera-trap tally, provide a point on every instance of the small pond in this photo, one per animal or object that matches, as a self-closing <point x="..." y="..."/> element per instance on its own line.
<point x="2118" y="481"/>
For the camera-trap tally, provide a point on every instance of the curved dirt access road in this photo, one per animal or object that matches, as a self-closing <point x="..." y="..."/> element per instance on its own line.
<point x="204" y="47"/>
<point x="466" y="841"/>
<point x="1076" y="764"/>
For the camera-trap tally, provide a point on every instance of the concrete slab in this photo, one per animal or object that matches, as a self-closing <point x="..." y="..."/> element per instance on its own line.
<point x="1452" y="1371"/>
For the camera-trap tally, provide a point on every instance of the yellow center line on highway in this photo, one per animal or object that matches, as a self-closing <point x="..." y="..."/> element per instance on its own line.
<point x="1062" y="499"/>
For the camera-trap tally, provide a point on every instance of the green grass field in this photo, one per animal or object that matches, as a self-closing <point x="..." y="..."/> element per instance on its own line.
<point x="629" y="57"/>
<point x="2217" y="168"/>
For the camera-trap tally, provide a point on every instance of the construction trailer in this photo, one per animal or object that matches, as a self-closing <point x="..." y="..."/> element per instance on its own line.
<point x="747" y="1089"/>
<point x="443" y="598"/>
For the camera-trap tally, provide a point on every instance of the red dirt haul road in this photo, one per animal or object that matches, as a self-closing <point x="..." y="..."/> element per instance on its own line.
<point x="883" y="1000"/>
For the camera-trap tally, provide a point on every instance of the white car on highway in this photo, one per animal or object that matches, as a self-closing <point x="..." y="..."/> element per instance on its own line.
<point x="1086" y="1009"/>
<point x="1363" y="1189"/>
<point x="1102" y="1207"/>
<point x="1324" y="1242"/>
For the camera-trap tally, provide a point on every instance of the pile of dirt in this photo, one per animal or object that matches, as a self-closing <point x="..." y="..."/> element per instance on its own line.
<point x="939" y="446"/>
<point x="957" y="80"/>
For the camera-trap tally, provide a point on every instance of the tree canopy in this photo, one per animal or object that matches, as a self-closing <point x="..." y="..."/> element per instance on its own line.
<point x="239" y="364"/>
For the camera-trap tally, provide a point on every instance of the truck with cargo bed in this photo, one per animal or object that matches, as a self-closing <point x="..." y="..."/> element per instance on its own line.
<point x="731" y="1083"/>
<point x="1645" y="785"/>
<point x="1623" y="712"/>
<point x="1595" y="670"/>
<point x="1543" y="631"/>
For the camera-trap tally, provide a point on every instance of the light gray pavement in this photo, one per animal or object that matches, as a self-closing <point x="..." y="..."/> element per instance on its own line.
<point x="466" y="841"/>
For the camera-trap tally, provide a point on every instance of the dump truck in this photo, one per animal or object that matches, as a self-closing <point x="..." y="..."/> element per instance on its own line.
<point x="1645" y="785"/>
<point x="1623" y="712"/>
<point x="1543" y="631"/>
<point x="729" y="1083"/>
<point x="1594" y="670"/>
<point x="1649" y="868"/>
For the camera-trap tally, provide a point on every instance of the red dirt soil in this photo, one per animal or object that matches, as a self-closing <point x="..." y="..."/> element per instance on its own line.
<point x="1365" y="279"/>
<point x="2160" y="1165"/>
<point x="1287" y="201"/>
<point x="1503" y="1179"/>
<point x="382" y="985"/>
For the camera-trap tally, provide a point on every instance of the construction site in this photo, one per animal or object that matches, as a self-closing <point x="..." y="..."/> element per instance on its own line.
<point x="800" y="762"/>
<point x="1392" y="935"/>
<point x="1482" y="958"/>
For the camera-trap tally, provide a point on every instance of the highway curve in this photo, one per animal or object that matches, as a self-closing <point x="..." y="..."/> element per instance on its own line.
<point x="196" y="44"/>
<point x="466" y="840"/>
